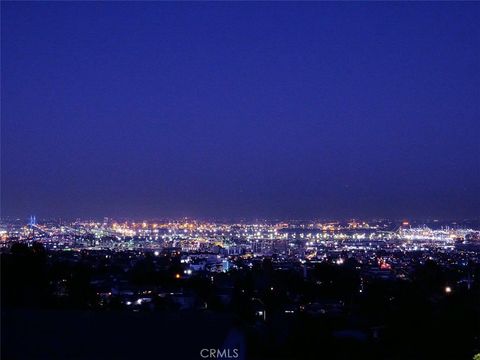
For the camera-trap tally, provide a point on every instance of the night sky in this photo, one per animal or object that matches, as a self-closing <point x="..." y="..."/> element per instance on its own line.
<point x="232" y="110"/>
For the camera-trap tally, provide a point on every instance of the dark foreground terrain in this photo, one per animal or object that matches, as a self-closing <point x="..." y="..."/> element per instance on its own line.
<point x="58" y="307"/>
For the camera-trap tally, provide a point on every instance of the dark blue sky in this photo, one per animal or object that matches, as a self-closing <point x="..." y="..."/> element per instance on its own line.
<point x="240" y="109"/>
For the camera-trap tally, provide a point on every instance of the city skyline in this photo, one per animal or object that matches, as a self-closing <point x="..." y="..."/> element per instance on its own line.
<point x="331" y="282"/>
<point x="311" y="110"/>
<point x="240" y="220"/>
